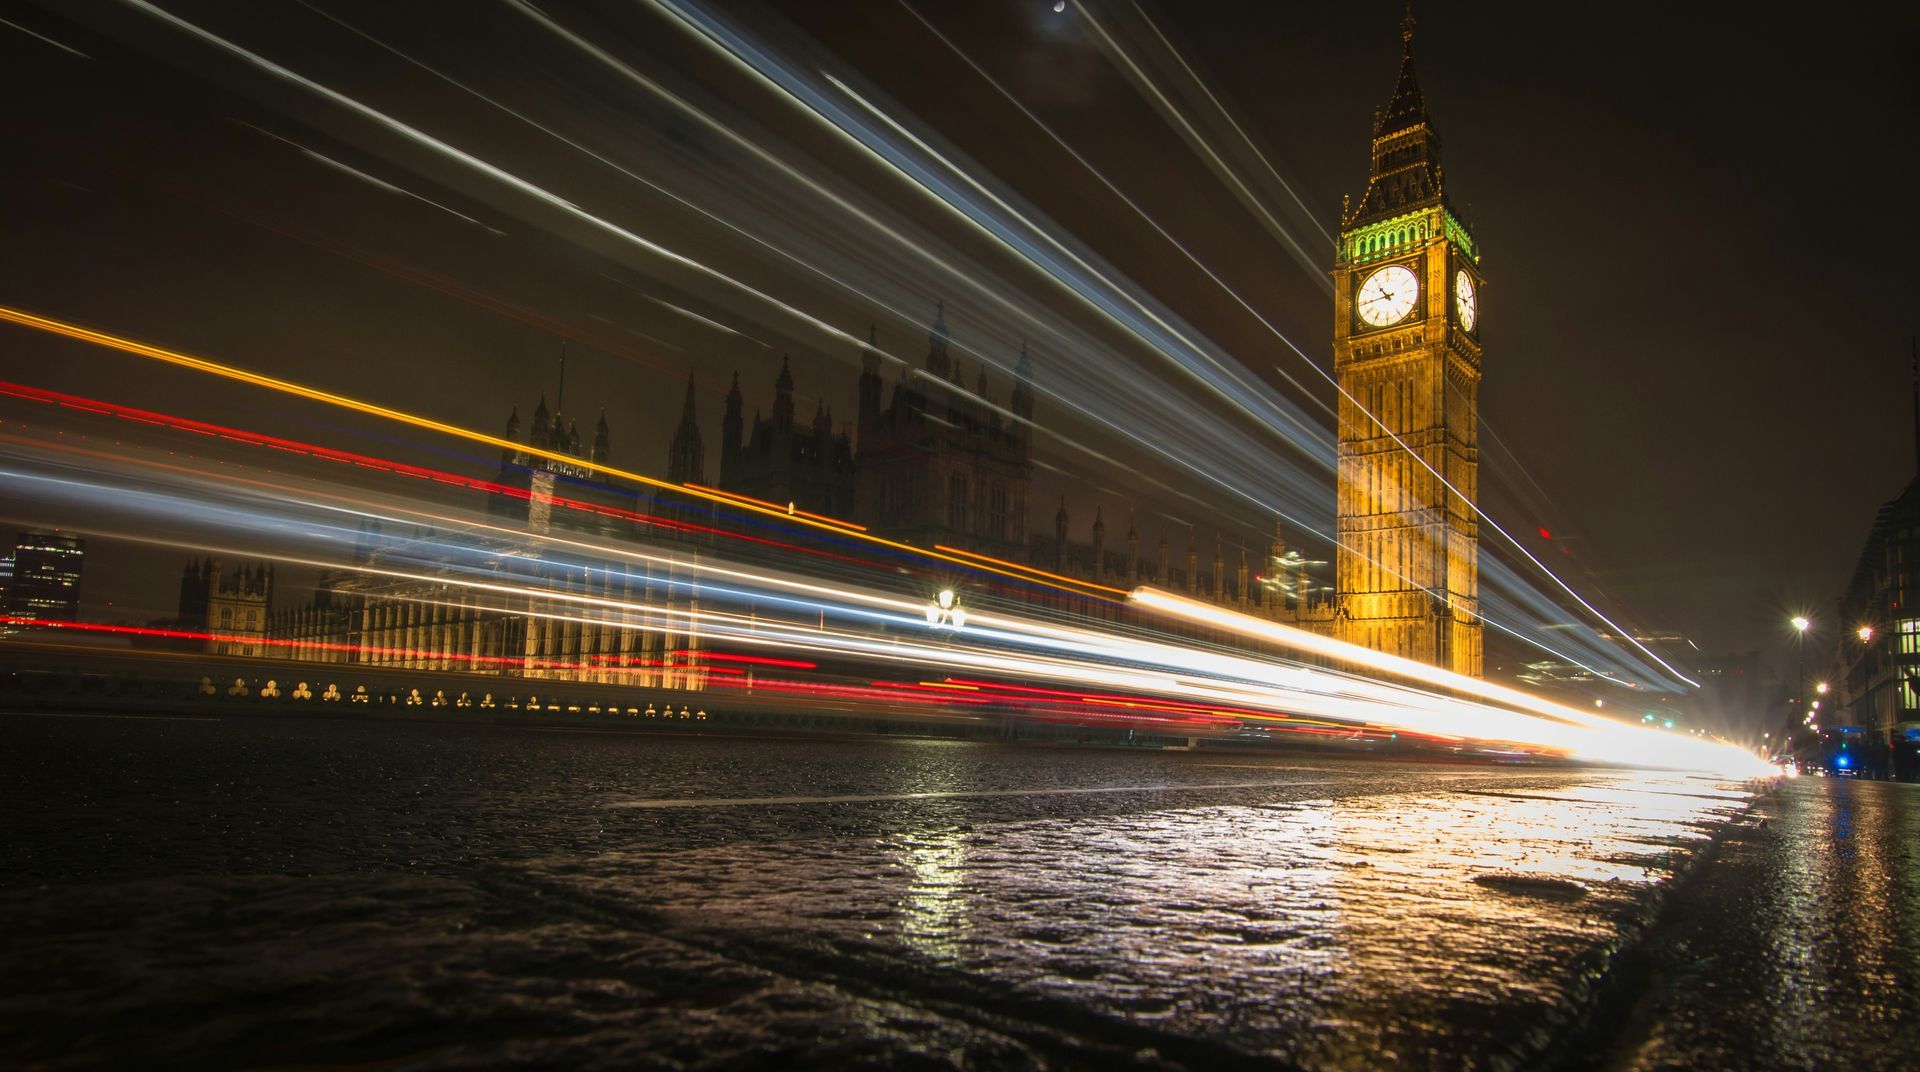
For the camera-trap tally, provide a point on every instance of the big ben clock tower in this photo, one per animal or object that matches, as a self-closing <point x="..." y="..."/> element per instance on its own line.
<point x="1406" y="346"/>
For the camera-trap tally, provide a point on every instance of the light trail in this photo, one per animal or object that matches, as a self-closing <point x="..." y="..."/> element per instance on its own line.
<point x="200" y="364"/>
<point x="997" y="646"/>
<point x="1241" y="190"/>
<point x="953" y="273"/>
<point x="1074" y="640"/>
<point x="1192" y="136"/>
<point x="1265" y="406"/>
<point x="379" y="184"/>
<point x="1437" y="716"/>
<point x="732" y="44"/>
<point x="44" y="38"/>
<point x="1301" y="640"/>
<point x="1113" y="188"/>
<point x="1315" y="270"/>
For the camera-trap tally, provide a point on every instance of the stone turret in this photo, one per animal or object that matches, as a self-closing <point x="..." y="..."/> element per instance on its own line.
<point x="686" y="458"/>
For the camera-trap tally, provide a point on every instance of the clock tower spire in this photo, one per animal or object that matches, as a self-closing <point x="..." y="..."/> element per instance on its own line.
<point x="1407" y="358"/>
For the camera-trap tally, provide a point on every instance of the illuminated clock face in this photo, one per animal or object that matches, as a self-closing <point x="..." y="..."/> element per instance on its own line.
<point x="1387" y="296"/>
<point x="1466" y="304"/>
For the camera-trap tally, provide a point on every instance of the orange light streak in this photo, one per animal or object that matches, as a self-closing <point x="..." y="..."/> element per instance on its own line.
<point x="298" y="390"/>
<point x="1059" y="577"/>
<point x="789" y="510"/>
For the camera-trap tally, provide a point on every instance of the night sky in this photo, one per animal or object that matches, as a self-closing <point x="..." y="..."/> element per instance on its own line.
<point x="1697" y="318"/>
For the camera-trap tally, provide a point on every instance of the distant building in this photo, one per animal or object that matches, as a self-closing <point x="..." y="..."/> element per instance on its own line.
<point x="943" y="465"/>
<point x="413" y="602"/>
<point x="774" y="459"/>
<point x="939" y="463"/>
<point x="232" y="608"/>
<point x="1879" y="677"/>
<point x="45" y="583"/>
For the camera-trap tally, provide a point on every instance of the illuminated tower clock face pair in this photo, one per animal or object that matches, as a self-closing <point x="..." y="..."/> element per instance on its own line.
<point x="1388" y="295"/>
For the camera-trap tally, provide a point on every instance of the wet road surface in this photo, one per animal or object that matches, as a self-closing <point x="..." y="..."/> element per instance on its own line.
<point x="247" y="891"/>
<point x="1799" y="946"/>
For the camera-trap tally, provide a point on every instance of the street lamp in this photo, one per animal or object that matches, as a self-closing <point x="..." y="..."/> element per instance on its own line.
<point x="946" y="610"/>
<point x="1801" y="622"/>
<point x="1821" y="689"/>
<point x="1865" y="633"/>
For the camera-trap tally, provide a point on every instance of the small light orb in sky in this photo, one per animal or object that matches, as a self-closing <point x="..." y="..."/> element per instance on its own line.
<point x="1059" y="5"/>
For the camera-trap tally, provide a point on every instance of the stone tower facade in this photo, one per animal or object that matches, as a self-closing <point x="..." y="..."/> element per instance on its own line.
<point x="939" y="464"/>
<point x="1407" y="355"/>
<point x="234" y="607"/>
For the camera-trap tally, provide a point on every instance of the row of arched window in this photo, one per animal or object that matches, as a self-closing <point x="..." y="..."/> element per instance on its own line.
<point x="1381" y="241"/>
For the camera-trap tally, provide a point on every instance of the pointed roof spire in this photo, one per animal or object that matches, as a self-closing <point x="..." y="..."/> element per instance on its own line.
<point x="560" y="399"/>
<point x="785" y="382"/>
<point x="1407" y="107"/>
<point x="686" y="407"/>
<point x="602" y="426"/>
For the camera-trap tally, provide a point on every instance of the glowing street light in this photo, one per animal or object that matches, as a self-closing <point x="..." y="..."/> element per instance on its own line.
<point x="1865" y="633"/>
<point x="945" y="610"/>
<point x="1801" y="622"/>
<point x="1821" y="689"/>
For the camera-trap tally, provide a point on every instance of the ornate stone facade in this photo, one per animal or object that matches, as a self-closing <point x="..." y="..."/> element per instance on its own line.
<point x="1407" y="355"/>
<point x="235" y="607"/>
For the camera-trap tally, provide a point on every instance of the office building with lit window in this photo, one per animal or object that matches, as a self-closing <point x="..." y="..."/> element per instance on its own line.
<point x="1877" y="655"/>
<point x="46" y="577"/>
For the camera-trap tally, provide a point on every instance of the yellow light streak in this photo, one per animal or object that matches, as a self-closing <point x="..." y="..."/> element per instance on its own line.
<point x="1029" y="569"/>
<point x="1612" y="740"/>
<point x="788" y="509"/>
<point x="299" y="390"/>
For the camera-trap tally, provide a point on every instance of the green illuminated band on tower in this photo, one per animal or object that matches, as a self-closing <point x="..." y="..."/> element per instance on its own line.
<point x="1401" y="233"/>
<point x="1457" y="234"/>
<point x="1388" y="236"/>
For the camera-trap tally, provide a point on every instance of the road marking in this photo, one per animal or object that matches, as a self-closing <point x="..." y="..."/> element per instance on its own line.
<point x="865" y="798"/>
<point x="82" y="714"/>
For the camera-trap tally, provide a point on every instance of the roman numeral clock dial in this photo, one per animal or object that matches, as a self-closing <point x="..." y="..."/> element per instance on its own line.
<point x="1387" y="296"/>
<point x="1466" y="305"/>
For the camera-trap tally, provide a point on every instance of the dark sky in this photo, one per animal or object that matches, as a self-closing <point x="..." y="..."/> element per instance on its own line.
<point x="1697" y="318"/>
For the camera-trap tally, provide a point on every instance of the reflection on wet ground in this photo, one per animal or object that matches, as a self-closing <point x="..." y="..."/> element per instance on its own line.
<point x="1800" y="947"/>
<point x="282" y="891"/>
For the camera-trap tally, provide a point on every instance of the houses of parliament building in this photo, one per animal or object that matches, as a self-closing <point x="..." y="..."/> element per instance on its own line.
<point x="937" y="457"/>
